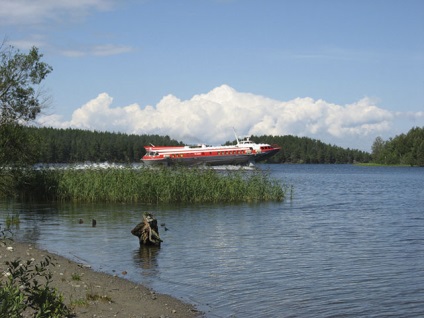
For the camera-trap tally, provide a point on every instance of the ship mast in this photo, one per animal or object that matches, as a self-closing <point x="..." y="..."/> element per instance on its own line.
<point x="236" y="135"/>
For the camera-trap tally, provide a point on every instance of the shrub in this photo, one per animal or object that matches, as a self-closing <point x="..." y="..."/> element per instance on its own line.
<point x="26" y="286"/>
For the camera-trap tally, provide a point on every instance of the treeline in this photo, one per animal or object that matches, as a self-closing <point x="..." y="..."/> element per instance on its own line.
<point x="51" y="145"/>
<point x="76" y="145"/>
<point x="307" y="150"/>
<point x="403" y="149"/>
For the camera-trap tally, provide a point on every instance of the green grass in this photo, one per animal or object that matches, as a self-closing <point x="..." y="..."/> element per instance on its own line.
<point x="13" y="220"/>
<point x="79" y="303"/>
<point x="163" y="185"/>
<point x="90" y="297"/>
<point x="97" y="297"/>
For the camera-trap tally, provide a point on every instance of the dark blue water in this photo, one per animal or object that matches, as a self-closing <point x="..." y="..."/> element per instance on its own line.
<point x="349" y="243"/>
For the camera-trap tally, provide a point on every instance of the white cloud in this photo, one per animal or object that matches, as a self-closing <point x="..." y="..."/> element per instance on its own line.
<point x="24" y="12"/>
<point x="209" y="118"/>
<point x="26" y="44"/>
<point x="46" y="14"/>
<point x="98" y="50"/>
<point x="110" y="49"/>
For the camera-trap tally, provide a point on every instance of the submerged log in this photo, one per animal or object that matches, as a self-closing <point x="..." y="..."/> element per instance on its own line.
<point x="147" y="231"/>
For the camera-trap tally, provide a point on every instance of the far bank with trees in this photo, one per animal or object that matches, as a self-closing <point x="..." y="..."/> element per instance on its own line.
<point x="404" y="149"/>
<point x="21" y="100"/>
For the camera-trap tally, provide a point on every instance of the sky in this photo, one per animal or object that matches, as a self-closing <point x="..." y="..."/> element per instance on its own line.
<point x="340" y="71"/>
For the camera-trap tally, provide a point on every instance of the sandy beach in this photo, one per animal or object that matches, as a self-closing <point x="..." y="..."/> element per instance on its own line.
<point x="93" y="294"/>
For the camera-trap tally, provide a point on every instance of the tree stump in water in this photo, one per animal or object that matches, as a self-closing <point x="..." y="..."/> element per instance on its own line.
<point x="147" y="231"/>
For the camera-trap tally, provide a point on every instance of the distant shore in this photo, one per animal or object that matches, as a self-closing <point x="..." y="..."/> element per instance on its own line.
<point x="94" y="294"/>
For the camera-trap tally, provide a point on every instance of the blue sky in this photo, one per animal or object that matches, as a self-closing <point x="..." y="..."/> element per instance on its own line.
<point x="342" y="71"/>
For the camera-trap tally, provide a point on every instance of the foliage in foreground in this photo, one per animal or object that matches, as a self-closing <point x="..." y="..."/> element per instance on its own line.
<point x="23" y="290"/>
<point x="21" y="75"/>
<point x="21" y="100"/>
<point x="163" y="185"/>
<point x="25" y="287"/>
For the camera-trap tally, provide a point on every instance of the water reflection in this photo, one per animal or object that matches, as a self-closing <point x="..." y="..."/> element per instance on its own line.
<point x="146" y="258"/>
<point x="349" y="243"/>
<point x="32" y="234"/>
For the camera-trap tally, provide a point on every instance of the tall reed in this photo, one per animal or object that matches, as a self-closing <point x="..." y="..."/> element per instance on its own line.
<point x="163" y="185"/>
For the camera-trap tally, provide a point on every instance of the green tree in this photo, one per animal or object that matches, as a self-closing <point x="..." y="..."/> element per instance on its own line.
<point x="20" y="78"/>
<point x="420" y="154"/>
<point x="21" y="100"/>
<point x="377" y="149"/>
<point x="402" y="149"/>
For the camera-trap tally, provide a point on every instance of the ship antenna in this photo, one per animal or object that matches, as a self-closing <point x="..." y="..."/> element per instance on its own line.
<point x="236" y="135"/>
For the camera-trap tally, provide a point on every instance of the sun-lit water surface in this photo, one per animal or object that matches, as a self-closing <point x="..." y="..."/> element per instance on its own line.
<point x="350" y="242"/>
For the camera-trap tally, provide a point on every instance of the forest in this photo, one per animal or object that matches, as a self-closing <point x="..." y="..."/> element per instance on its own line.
<point x="76" y="145"/>
<point x="404" y="149"/>
<point x="51" y="145"/>
<point x="306" y="150"/>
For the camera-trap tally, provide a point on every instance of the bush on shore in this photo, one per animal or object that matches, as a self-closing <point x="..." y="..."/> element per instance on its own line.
<point x="25" y="288"/>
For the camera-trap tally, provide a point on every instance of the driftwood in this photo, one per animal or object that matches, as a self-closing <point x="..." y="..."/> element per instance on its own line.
<point x="147" y="231"/>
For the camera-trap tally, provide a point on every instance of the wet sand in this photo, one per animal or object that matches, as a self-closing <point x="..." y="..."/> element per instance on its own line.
<point x="93" y="294"/>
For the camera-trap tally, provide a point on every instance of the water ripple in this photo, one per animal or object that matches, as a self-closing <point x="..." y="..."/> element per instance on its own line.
<point x="348" y="244"/>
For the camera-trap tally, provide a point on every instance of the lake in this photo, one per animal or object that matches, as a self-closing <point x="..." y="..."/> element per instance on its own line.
<point x="348" y="242"/>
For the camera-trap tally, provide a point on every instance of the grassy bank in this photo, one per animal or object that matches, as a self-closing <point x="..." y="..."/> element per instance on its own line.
<point x="177" y="185"/>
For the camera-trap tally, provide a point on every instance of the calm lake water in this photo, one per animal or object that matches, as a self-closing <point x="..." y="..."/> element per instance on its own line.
<point x="349" y="243"/>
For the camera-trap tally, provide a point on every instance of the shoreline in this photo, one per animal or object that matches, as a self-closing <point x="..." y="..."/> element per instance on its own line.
<point x="89" y="293"/>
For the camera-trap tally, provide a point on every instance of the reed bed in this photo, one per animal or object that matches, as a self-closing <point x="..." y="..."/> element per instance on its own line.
<point x="164" y="185"/>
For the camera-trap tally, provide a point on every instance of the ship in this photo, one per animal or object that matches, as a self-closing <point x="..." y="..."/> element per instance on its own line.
<point x="244" y="152"/>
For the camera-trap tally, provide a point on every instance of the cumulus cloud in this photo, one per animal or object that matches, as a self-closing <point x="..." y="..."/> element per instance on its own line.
<point x="209" y="118"/>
